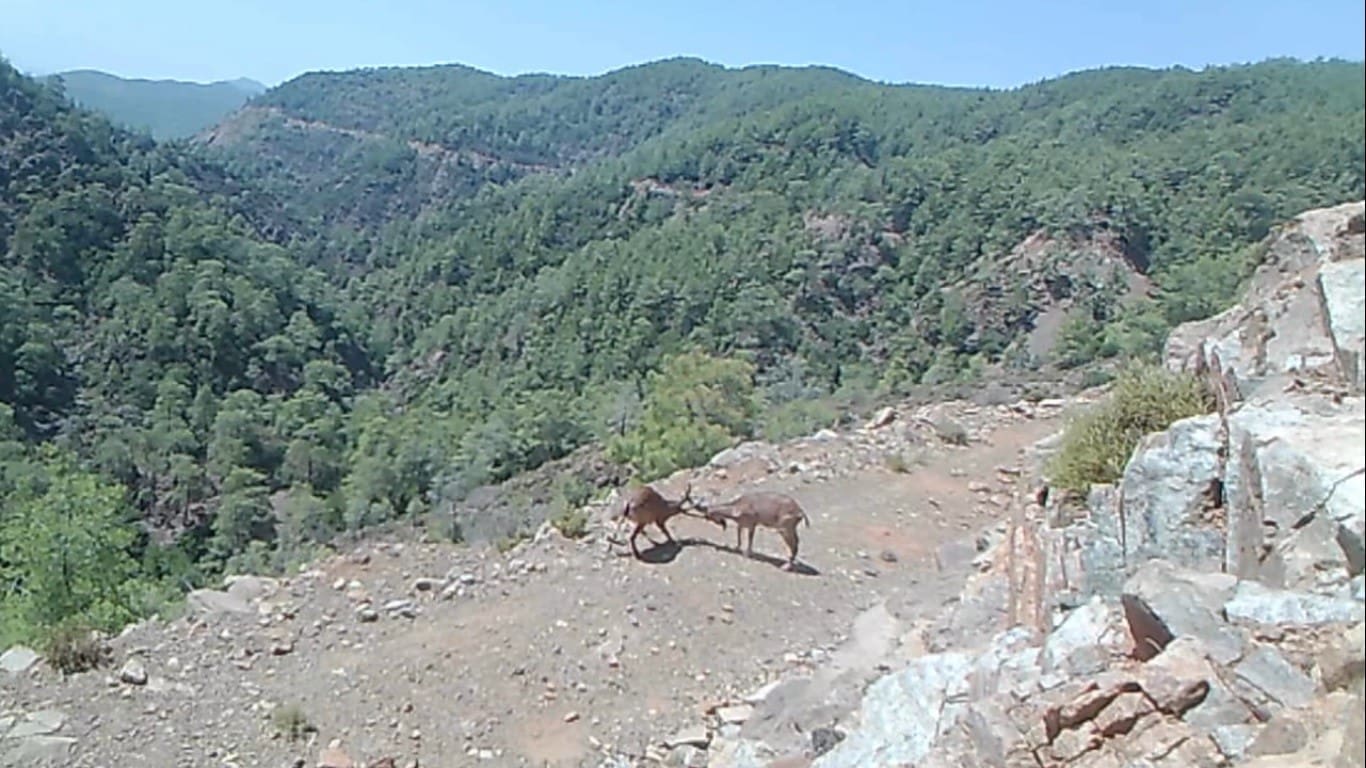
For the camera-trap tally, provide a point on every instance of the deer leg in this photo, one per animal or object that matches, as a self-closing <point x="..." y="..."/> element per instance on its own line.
<point x="634" y="534"/>
<point x="749" y="543"/>
<point x="790" y="537"/>
<point x="667" y="535"/>
<point x="739" y="531"/>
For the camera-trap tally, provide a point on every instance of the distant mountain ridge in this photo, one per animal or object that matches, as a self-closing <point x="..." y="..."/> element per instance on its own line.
<point x="168" y="109"/>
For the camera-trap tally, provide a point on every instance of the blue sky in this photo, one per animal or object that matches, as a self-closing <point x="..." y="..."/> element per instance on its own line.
<point x="958" y="42"/>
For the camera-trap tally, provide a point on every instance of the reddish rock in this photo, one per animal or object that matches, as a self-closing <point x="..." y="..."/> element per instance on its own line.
<point x="1123" y="713"/>
<point x="334" y="757"/>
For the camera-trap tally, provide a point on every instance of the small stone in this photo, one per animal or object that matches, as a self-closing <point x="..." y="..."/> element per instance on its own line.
<point x="1280" y="736"/>
<point x="882" y="418"/>
<point x="133" y="673"/>
<point x="402" y="607"/>
<point x="1343" y="659"/>
<point x="40" y="750"/>
<point x="18" y="659"/>
<point x="334" y="757"/>
<point x="824" y="739"/>
<point x="570" y="717"/>
<point x="695" y="736"/>
<point x="40" y="723"/>
<point x="758" y="695"/>
<point x="427" y="584"/>
<point x="735" y="715"/>
<point x="367" y="614"/>
<point x="1178" y="679"/>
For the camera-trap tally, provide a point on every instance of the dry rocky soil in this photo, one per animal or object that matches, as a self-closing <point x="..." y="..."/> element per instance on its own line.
<point x="560" y="651"/>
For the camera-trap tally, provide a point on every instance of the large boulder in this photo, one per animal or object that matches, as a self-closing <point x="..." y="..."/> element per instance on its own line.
<point x="1087" y="641"/>
<point x="1344" y="309"/>
<point x="904" y="713"/>
<point x="1296" y="492"/>
<point x="1257" y="603"/>
<point x="1163" y="602"/>
<point x="241" y="595"/>
<point x="1270" y="682"/>
<point x="1169" y="488"/>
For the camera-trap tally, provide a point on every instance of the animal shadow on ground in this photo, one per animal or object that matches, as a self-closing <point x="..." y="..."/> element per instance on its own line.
<point x="776" y="562"/>
<point x="659" y="553"/>
<point x="664" y="552"/>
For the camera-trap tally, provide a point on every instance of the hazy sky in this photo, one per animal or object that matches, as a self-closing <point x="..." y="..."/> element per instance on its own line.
<point x="959" y="42"/>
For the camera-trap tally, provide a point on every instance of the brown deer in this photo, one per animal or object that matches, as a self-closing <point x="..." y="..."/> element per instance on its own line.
<point x="645" y="506"/>
<point x="780" y="512"/>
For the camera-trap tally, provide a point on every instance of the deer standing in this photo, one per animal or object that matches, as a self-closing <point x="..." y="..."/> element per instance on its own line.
<point x="645" y="506"/>
<point x="778" y="511"/>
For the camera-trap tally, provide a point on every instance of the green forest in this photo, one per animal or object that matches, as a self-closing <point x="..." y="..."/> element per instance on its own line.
<point x="369" y="293"/>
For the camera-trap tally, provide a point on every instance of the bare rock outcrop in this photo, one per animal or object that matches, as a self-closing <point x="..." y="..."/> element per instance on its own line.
<point x="1301" y="317"/>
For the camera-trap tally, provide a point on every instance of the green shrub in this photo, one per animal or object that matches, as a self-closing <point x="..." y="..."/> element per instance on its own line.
<point x="509" y="543"/>
<point x="896" y="462"/>
<point x="291" y="722"/>
<point x="73" y="648"/>
<point x="697" y="405"/>
<point x="1145" y="399"/>
<point x="574" y="491"/>
<point x="572" y="523"/>
<point x="796" y="418"/>
<point x="1080" y="340"/>
<point x="1096" y="377"/>
<point x="903" y="462"/>
<point x="950" y="431"/>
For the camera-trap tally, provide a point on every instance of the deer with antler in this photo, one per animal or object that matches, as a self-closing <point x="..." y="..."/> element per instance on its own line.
<point x="645" y="506"/>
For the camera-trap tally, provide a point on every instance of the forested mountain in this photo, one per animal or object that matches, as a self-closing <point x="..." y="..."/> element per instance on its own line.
<point x="153" y="354"/>
<point x="528" y="248"/>
<point x="369" y="293"/>
<point x="168" y="109"/>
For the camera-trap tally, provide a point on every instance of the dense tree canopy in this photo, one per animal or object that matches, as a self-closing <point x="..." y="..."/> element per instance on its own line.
<point x="372" y="292"/>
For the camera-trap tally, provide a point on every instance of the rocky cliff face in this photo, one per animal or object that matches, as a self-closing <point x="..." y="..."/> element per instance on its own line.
<point x="1206" y="610"/>
<point x="1301" y="322"/>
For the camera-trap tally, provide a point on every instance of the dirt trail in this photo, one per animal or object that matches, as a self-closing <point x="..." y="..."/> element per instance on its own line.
<point x="543" y="655"/>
